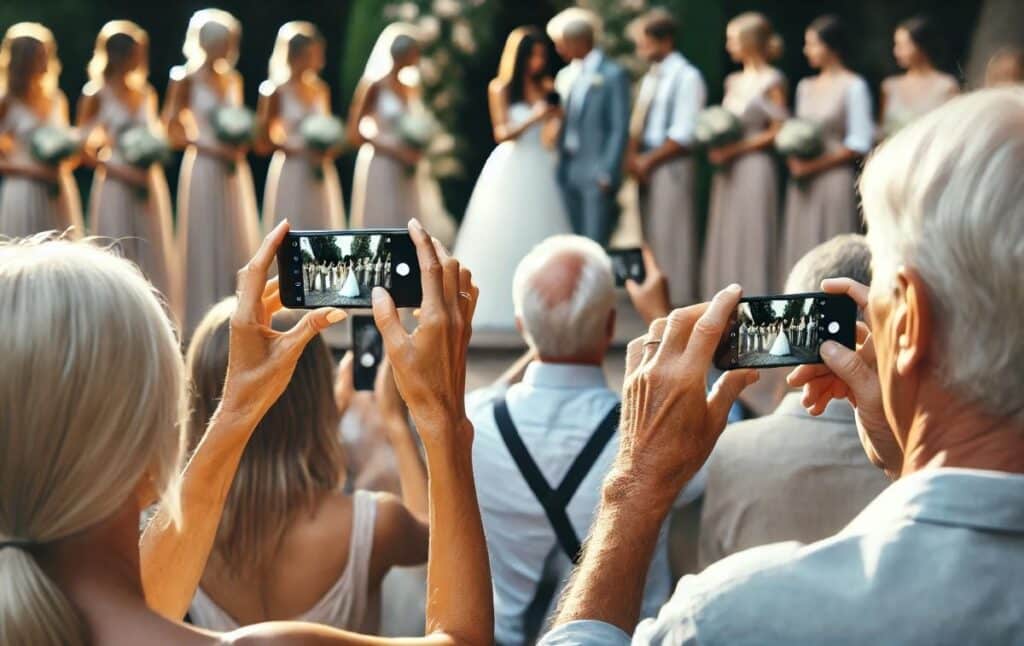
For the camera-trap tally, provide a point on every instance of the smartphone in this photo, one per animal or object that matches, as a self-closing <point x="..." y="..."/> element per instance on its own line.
<point x="341" y="268"/>
<point x="367" y="351"/>
<point x="627" y="264"/>
<point x="785" y="330"/>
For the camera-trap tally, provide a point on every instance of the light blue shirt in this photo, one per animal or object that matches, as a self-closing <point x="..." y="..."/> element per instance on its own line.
<point x="587" y="76"/>
<point x="937" y="558"/>
<point x="679" y="97"/>
<point x="556" y="408"/>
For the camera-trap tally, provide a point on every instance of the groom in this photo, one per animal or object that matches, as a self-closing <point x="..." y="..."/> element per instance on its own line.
<point x="595" y="132"/>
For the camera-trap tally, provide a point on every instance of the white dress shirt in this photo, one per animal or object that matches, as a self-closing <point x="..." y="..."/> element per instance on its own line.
<point x="681" y="90"/>
<point x="556" y="408"/>
<point x="586" y="77"/>
<point x="937" y="558"/>
<point x="860" y="127"/>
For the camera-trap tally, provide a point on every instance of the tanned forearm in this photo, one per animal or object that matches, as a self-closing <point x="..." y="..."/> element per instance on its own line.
<point x="608" y="585"/>
<point x="173" y="557"/>
<point x="412" y="473"/>
<point x="667" y="152"/>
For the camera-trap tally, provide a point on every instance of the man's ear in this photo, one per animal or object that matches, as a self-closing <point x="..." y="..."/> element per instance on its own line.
<point x="913" y="322"/>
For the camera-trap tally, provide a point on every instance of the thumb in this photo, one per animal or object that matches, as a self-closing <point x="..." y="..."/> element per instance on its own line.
<point x="847" y="365"/>
<point x="385" y="315"/>
<point x="725" y="392"/>
<point x="312" y="324"/>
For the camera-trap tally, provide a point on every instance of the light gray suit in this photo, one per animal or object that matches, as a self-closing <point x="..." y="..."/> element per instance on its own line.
<point x="592" y="143"/>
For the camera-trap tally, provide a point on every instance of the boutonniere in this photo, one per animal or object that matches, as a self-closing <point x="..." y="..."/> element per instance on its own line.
<point x="596" y="80"/>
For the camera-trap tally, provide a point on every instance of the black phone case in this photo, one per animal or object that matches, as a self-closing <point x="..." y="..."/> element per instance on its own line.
<point x="406" y="291"/>
<point x="629" y="258"/>
<point x="366" y="339"/>
<point x="837" y="308"/>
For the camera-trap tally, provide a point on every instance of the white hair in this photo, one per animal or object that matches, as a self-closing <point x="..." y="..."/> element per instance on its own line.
<point x="570" y="326"/>
<point x="556" y="27"/>
<point x="92" y="394"/>
<point x="945" y="197"/>
<point x="843" y="256"/>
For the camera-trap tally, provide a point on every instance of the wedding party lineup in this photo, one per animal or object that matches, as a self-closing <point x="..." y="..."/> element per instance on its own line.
<point x="674" y="355"/>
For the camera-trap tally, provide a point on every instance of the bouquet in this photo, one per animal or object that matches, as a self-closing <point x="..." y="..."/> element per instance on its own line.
<point x="322" y="132"/>
<point x="800" y="138"/>
<point x="51" y="145"/>
<point x="141" y="147"/>
<point x="234" y="125"/>
<point x="417" y="128"/>
<point x="716" y="127"/>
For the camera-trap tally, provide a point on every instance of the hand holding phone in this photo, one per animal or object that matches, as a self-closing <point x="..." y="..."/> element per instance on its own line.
<point x="785" y="330"/>
<point x="367" y="352"/>
<point x="627" y="264"/>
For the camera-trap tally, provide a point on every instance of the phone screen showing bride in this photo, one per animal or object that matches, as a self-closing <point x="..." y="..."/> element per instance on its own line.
<point x="341" y="268"/>
<point x="786" y="330"/>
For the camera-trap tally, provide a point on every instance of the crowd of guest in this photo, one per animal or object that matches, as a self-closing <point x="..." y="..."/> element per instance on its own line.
<point x="212" y="495"/>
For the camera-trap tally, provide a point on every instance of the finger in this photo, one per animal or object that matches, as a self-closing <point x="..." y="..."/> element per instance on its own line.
<point x="451" y="274"/>
<point x="310" y="325"/>
<point x="439" y="249"/>
<point x="252" y="279"/>
<point x="857" y="291"/>
<point x="385" y="315"/>
<point x="680" y="324"/>
<point x="724" y="393"/>
<point x="343" y="381"/>
<point x="650" y="263"/>
<point x="713" y="323"/>
<point x="655" y="337"/>
<point x="806" y="373"/>
<point x="848" y="366"/>
<point x="863" y="332"/>
<point x="430" y="265"/>
<point x="273" y="285"/>
<point x="634" y="354"/>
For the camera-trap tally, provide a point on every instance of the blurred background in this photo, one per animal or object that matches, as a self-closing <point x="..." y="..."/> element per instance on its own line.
<point x="463" y="40"/>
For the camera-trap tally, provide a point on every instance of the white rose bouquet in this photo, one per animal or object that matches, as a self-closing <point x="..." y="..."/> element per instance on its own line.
<point x="417" y="128"/>
<point x="717" y="126"/>
<point x="51" y="145"/>
<point x="800" y="138"/>
<point x="322" y="132"/>
<point x="141" y="147"/>
<point x="234" y="125"/>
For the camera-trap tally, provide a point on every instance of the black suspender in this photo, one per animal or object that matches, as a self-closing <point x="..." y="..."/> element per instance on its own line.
<point x="554" y="501"/>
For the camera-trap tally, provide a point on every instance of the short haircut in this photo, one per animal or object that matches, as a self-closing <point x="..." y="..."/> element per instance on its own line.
<point x="574" y="324"/>
<point x="660" y="25"/>
<point x="844" y="256"/>
<point x="945" y="197"/>
<point x="578" y="29"/>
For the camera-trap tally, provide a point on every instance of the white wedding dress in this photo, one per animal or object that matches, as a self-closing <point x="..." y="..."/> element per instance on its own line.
<point x="515" y="205"/>
<point x="351" y="288"/>
<point x="781" y="346"/>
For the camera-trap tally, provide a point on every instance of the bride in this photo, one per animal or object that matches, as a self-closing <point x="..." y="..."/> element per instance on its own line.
<point x="780" y="348"/>
<point x="516" y="202"/>
<point x="351" y="287"/>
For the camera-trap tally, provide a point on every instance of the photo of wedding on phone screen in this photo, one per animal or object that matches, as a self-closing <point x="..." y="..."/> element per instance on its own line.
<point x="778" y="332"/>
<point x="342" y="270"/>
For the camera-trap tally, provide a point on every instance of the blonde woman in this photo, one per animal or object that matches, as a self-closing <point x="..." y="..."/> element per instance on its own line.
<point x="129" y="204"/>
<point x="302" y="183"/>
<point x="33" y="197"/>
<point x="83" y="456"/>
<point x="217" y="215"/>
<point x="291" y="543"/>
<point x="744" y="211"/>
<point x="917" y="48"/>
<point x="385" y="192"/>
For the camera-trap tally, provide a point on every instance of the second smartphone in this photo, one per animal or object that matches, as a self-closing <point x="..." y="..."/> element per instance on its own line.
<point x="367" y="352"/>
<point x="627" y="264"/>
<point x="341" y="268"/>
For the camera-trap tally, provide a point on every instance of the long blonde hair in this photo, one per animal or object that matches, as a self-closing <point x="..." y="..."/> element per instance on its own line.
<point x="292" y="38"/>
<point x="19" y="46"/>
<point x="756" y="31"/>
<point x="208" y="25"/>
<point x="396" y="38"/>
<point x="92" y="399"/>
<point x="293" y="457"/>
<point x="108" y="50"/>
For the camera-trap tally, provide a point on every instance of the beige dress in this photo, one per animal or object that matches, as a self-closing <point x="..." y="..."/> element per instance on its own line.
<point x="29" y="205"/>
<point x="295" y="190"/>
<point x="824" y="205"/>
<point x="218" y="222"/>
<point x="384" y="190"/>
<point x="908" y="97"/>
<point x="138" y="219"/>
<point x="741" y="245"/>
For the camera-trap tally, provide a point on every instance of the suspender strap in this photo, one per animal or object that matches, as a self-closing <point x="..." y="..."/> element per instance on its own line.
<point x="554" y="501"/>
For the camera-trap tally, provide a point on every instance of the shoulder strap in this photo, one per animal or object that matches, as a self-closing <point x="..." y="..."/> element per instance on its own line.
<point x="554" y="501"/>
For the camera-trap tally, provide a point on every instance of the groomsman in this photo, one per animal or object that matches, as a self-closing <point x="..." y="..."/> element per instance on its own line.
<point x="594" y="133"/>
<point x="662" y="125"/>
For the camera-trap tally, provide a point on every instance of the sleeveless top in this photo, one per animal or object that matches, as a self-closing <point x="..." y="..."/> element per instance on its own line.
<point x="293" y="112"/>
<point x="519" y="112"/>
<point x="203" y="102"/>
<point x="116" y="117"/>
<point x="344" y="605"/>
<point x="388" y="111"/>
<point x="20" y="122"/>
<point x="908" y="98"/>
<point x="746" y="96"/>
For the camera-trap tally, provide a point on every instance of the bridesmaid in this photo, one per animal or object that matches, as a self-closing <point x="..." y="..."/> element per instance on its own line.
<point x="302" y="183"/>
<point x="218" y="221"/>
<point x="741" y="243"/>
<point x="34" y="197"/>
<point x="384" y="190"/>
<point x="129" y="204"/>
<point x="820" y="201"/>
<point x="917" y="48"/>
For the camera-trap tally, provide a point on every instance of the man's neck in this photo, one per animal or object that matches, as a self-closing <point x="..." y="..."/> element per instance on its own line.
<point x="587" y="360"/>
<point x="960" y="435"/>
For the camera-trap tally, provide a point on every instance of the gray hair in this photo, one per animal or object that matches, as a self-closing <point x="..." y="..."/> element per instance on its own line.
<point x="945" y="197"/>
<point x="556" y="27"/>
<point x="572" y="321"/>
<point x="402" y="45"/>
<point x="844" y="256"/>
<point x="578" y="29"/>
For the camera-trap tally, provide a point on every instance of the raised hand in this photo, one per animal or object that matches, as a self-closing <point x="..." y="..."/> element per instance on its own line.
<point x="650" y="298"/>
<point x="669" y="422"/>
<point x="852" y="375"/>
<point x="344" y="386"/>
<point x="261" y="360"/>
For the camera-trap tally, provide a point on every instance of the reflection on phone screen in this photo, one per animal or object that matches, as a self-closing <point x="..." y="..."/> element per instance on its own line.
<point x="778" y="332"/>
<point x="342" y="270"/>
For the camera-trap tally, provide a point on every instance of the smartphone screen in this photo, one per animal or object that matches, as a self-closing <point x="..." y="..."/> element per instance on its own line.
<point x="627" y="264"/>
<point x="367" y="351"/>
<point x="786" y="330"/>
<point x="341" y="268"/>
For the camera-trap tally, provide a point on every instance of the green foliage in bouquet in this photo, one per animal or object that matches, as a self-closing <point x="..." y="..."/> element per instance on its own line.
<point x="800" y="138"/>
<point x="50" y="145"/>
<point x="717" y="126"/>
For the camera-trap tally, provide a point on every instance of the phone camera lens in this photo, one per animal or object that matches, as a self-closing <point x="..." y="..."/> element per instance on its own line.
<point x="833" y="327"/>
<point x="402" y="269"/>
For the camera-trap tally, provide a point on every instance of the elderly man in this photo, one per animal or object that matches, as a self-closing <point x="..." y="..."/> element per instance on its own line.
<point x="544" y="445"/>
<point x="938" y="557"/>
<point x="790" y="476"/>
